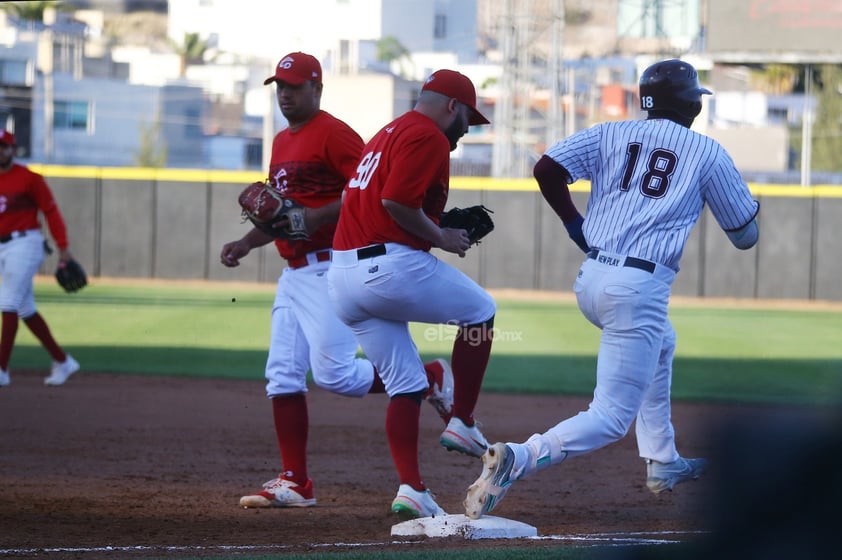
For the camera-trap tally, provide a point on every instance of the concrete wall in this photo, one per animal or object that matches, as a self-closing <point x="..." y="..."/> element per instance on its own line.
<point x="171" y="224"/>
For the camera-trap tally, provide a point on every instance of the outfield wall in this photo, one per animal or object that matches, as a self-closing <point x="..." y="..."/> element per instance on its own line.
<point x="171" y="224"/>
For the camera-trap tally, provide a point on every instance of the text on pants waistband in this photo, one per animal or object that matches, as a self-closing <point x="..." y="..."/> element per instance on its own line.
<point x="630" y="262"/>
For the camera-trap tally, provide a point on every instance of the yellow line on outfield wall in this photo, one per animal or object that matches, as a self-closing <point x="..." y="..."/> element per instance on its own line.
<point x="147" y="174"/>
<point x="527" y="185"/>
<point x="456" y="183"/>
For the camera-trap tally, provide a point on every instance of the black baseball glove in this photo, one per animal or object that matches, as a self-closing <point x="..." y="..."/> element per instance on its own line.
<point x="71" y="276"/>
<point x="271" y="213"/>
<point x="474" y="219"/>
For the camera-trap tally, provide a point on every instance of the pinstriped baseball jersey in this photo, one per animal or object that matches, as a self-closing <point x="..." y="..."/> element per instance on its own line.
<point x="650" y="180"/>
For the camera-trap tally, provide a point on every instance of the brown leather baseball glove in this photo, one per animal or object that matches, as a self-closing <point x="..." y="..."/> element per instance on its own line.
<point x="271" y="213"/>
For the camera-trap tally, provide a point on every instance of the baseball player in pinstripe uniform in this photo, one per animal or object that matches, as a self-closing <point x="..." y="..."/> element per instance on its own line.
<point x="23" y="194"/>
<point x="650" y="181"/>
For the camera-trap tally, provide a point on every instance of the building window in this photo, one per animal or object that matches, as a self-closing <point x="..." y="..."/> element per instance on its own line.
<point x="72" y="115"/>
<point x="15" y="72"/>
<point x="440" y="27"/>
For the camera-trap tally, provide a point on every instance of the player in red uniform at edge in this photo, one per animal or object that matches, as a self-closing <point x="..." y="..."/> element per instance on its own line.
<point x="23" y="193"/>
<point x="311" y="161"/>
<point x="383" y="275"/>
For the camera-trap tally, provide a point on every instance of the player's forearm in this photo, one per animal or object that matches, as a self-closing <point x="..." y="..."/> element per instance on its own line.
<point x="552" y="180"/>
<point x="327" y="214"/>
<point x="256" y="238"/>
<point x="746" y="237"/>
<point x="414" y="220"/>
<point x="58" y="229"/>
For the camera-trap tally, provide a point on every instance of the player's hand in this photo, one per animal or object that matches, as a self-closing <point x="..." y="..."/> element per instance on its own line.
<point x="454" y="240"/>
<point x="232" y="253"/>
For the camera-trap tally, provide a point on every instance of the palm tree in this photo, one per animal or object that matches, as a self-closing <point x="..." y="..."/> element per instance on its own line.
<point x="390" y="49"/>
<point x="29" y="11"/>
<point x="191" y="51"/>
<point x="776" y="79"/>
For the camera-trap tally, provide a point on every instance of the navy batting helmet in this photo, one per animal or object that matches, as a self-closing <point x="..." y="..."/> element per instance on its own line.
<point x="672" y="86"/>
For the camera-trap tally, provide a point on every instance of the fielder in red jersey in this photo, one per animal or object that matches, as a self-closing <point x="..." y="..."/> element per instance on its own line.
<point x="311" y="162"/>
<point x="23" y="194"/>
<point x="383" y="275"/>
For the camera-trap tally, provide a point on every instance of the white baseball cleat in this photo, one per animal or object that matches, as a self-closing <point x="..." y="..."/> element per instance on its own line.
<point x="493" y="483"/>
<point x="280" y="492"/>
<point x="412" y="504"/>
<point x="5" y="379"/>
<point x="464" y="439"/>
<point x="62" y="371"/>
<point x="661" y="477"/>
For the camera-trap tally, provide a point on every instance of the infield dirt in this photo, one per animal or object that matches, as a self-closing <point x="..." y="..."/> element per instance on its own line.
<point x="155" y="466"/>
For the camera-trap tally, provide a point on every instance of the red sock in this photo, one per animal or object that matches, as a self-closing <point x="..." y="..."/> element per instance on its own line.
<point x="377" y="386"/>
<point x="8" y="332"/>
<point x="471" y="351"/>
<point x="402" y="419"/>
<point x="42" y="332"/>
<point x="292" y="425"/>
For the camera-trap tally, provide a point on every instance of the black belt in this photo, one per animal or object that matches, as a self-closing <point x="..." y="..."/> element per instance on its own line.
<point x="371" y="251"/>
<point x="632" y="262"/>
<point x="7" y="238"/>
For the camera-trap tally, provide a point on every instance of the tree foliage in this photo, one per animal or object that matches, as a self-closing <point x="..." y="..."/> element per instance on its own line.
<point x="776" y="79"/>
<point x="390" y="49"/>
<point x="827" y="128"/>
<point x="191" y="50"/>
<point x="31" y="11"/>
<point x="153" y="150"/>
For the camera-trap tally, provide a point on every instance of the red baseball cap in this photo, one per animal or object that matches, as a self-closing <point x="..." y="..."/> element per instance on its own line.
<point x="296" y="68"/>
<point x="7" y="138"/>
<point x="458" y="86"/>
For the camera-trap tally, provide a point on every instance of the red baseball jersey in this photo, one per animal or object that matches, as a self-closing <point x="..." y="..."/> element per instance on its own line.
<point x="311" y="166"/>
<point x="22" y="194"/>
<point x="408" y="162"/>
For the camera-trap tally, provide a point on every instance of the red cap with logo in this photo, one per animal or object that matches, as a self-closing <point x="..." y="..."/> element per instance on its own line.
<point x="295" y="69"/>
<point x="7" y="138"/>
<point x="458" y="86"/>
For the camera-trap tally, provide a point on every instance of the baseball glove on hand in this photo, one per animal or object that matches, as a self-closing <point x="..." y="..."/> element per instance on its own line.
<point x="71" y="276"/>
<point x="271" y="213"/>
<point x="474" y="219"/>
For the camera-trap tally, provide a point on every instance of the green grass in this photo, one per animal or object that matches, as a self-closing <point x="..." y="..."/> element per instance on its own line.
<point x="724" y="354"/>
